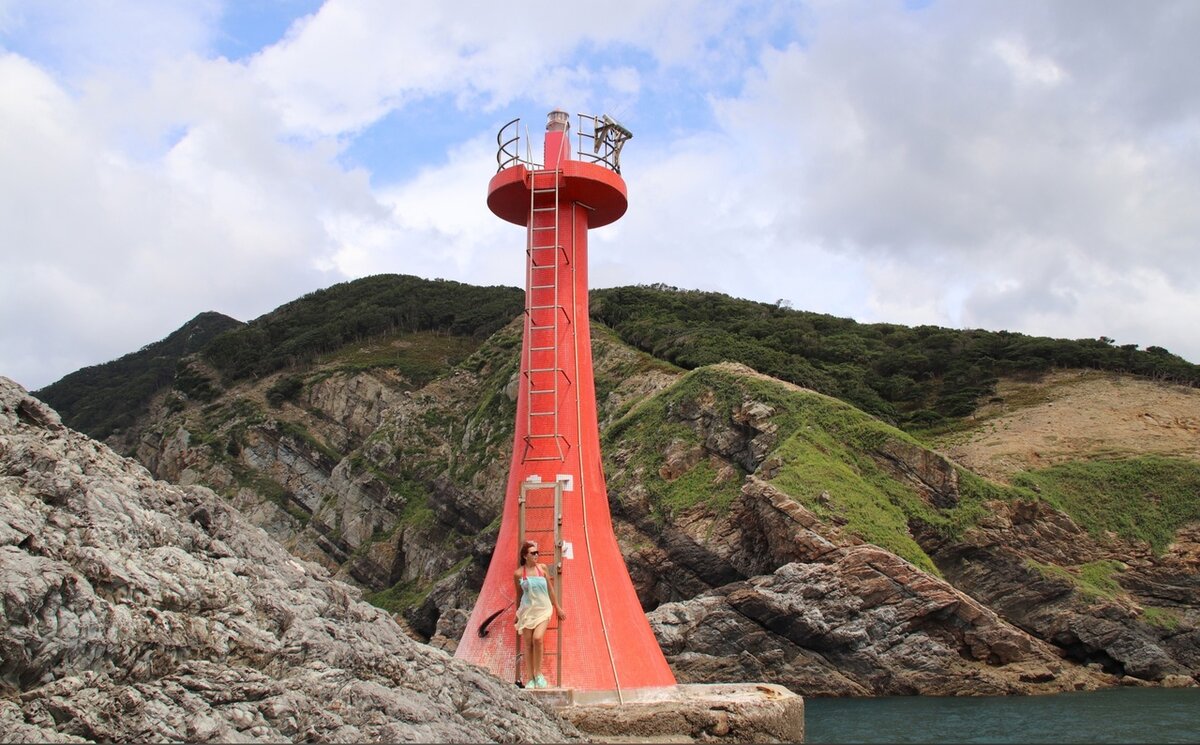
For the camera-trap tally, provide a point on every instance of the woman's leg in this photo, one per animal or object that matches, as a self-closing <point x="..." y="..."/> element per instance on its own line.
<point x="539" y="646"/>
<point x="527" y="651"/>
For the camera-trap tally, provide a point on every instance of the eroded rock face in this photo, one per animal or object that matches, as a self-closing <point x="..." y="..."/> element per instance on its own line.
<point x="354" y="405"/>
<point x="136" y="610"/>
<point x="841" y="617"/>
<point x="1003" y="562"/>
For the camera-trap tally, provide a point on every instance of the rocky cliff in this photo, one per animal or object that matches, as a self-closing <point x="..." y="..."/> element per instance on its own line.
<point x="985" y="589"/>
<point x="136" y="610"/>
<point x="773" y="533"/>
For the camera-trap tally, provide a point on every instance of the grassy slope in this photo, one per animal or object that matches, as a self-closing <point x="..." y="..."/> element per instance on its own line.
<point x="1145" y="499"/>
<point x="825" y="453"/>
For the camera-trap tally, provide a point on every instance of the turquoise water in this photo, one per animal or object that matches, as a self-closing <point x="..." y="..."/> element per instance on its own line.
<point x="1122" y="715"/>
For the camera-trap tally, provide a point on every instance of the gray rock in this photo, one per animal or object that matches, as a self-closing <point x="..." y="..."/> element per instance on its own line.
<point x="847" y="618"/>
<point x="134" y="610"/>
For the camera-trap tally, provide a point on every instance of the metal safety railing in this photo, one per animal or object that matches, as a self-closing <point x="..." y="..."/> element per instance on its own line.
<point x="508" y="153"/>
<point x="606" y="138"/>
<point x="599" y="140"/>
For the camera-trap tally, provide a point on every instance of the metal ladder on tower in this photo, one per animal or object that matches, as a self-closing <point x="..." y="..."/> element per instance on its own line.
<point x="544" y="375"/>
<point x="540" y="519"/>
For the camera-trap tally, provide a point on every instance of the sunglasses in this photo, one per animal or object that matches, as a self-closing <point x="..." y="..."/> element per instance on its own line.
<point x="532" y="553"/>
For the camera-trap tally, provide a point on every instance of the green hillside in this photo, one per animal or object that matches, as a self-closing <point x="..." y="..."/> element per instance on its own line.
<point x="353" y="324"/>
<point x="323" y="321"/>
<point x="826" y="455"/>
<point x="833" y="458"/>
<point x="918" y="376"/>
<point x="102" y="399"/>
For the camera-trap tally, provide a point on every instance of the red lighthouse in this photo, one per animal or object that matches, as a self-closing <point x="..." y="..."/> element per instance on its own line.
<point x="556" y="493"/>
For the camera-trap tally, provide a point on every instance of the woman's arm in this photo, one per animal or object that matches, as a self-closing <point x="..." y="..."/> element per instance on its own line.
<point x="517" y="585"/>
<point x="554" y="598"/>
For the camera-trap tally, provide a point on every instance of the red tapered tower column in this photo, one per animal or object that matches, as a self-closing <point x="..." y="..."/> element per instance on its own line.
<point x="556" y="493"/>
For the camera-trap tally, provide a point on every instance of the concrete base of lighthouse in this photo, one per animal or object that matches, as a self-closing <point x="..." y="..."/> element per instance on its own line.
<point x="729" y="712"/>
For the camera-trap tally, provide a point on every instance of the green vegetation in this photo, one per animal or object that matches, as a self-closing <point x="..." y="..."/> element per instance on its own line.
<point x="649" y="431"/>
<point x="419" y="356"/>
<point x="410" y="593"/>
<point x="1164" y="618"/>
<point x="1143" y="499"/>
<point x="491" y="419"/>
<point x="919" y="377"/>
<point x="832" y="479"/>
<point x="269" y="488"/>
<point x="325" y="321"/>
<point x="103" y="399"/>
<point x="301" y="434"/>
<point x="287" y="388"/>
<point x="400" y="596"/>
<point x="702" y="483"/>
<point x="415" y="495"/>
<point x="614" y="362"/>
<point x="924" y="377"/>
<point x="1095" y="580"/>
<point x="1099" y="578"/>
<point x="827" y="456"/>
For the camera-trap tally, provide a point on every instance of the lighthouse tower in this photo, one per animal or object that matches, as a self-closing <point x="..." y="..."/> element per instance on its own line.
<point x="556" y="494"/>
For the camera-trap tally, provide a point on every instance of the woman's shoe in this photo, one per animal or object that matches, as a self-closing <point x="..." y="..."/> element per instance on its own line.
<point x="539" y="681"/>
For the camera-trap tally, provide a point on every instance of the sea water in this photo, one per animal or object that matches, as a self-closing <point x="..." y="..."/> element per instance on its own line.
<point x="1121" y="715"/>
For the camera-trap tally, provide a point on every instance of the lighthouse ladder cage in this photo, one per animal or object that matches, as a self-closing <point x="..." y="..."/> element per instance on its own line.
<point x="539" y="519"/>
<point x="544" y="376"/>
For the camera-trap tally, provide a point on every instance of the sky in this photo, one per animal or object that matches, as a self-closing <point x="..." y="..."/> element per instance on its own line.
<point x="1021" y="165"/>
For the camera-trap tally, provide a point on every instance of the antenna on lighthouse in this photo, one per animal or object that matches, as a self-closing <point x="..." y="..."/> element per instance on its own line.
<point x="611" y="135"/>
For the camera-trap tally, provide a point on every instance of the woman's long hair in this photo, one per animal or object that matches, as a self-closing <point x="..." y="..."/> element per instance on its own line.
<point x="525" y="550"/>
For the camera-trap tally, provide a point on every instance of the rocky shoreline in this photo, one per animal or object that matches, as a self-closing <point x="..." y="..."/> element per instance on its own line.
<point x="136" y="610"/>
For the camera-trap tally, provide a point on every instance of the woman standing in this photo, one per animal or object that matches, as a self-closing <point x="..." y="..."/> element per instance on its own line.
<point x="538" y="603"/>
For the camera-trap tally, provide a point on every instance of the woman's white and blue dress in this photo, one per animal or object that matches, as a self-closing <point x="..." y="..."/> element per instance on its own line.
<point x="535" y="608"/>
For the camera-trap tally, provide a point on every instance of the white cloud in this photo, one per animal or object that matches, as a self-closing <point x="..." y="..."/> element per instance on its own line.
<point x="1014" y="165"/>
<point x="117" y="251"/>
<point x="1026" y="66"/>
<point x="130" y="36"/>
<point x="436" y="225"/>
<point x="899" y="145"/>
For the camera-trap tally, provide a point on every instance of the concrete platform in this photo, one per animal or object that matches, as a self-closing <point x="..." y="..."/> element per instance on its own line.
<point x="727" y="712"/>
